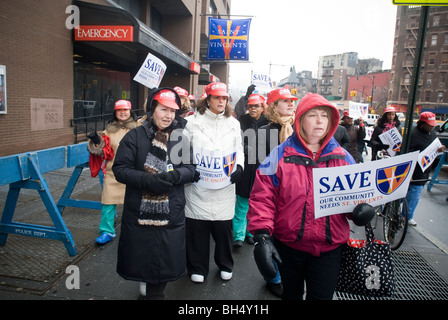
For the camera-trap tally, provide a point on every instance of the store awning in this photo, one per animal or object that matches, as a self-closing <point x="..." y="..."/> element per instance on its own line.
<point x="100" y="28"/>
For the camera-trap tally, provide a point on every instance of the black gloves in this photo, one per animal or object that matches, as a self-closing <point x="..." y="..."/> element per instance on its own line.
<point x="172" y="176"/>
<point x="362" y="214"/>
<point x="265" y="253"/>
<point x="94" y="137"/>
<point x="236" y="176"/>
<point x="155" y="183"/>
<point x="197" y="176"/>
<point x="249" y="91"/>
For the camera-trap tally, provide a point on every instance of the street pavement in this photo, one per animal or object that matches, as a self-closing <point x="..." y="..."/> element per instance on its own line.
<point x="98" y="279"/>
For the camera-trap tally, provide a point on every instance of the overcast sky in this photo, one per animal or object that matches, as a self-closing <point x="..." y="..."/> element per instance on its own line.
<point x="297" y="32"/>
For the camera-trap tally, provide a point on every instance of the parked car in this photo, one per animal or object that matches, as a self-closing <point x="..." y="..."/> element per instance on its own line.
<point x="442" y="132"/>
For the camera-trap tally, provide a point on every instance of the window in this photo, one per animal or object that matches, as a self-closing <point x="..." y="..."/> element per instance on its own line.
<point x="96" y="88"/>
<point x="435" y="21"/>
<point x="429" y="78"/>
<point x="404" y="96"/>
<point x="427" y="96"/>
<point x="432" y="58"/>
<point x="442" y="78"/>
<point x="434" y="40"/>
<point x="156" y="20"/>
<point x="407" y="78"/>
<point x="440" y="97"/>
<point x="411" y="43"/>
<point x="212" y="8"/>
<point x="444" y="58"/>
<point x="446" y="39"/>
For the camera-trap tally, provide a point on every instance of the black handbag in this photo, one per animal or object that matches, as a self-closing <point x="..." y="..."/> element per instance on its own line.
<point x="367" y="268"/>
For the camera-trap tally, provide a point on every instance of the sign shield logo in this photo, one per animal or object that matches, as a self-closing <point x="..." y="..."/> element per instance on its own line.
<point x="229" y="163"/>
<point x="390" y="178"/>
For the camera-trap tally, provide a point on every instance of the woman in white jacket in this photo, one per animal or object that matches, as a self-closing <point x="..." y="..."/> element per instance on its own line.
<point x="215" y="137"/>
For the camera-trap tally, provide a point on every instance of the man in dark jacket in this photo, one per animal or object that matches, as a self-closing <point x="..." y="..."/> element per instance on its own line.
<point x="421" y="137"/>
<point x="356" y="133"/>
<point x="250" y="123"/>
<point x="342" y="137"/>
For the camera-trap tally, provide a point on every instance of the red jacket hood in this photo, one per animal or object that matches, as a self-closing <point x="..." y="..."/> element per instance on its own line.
<point x="313" y="100"/>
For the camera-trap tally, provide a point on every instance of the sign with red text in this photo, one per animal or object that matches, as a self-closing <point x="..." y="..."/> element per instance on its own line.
<point x="151" y="72"/>
<point x="104" y="33"/>
<point x="339" y="190"/>
<point x="215" y="167"/>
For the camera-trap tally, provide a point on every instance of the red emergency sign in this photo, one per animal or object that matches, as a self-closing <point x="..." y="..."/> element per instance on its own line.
<point x="104" y="33"/>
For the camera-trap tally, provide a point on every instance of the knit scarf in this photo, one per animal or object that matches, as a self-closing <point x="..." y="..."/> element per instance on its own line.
<point x="286" y="123"/>
<point x="154" y="208"/>
<point x="388" y="126"/>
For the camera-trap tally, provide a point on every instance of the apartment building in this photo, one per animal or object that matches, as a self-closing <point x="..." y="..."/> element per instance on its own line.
<point x="50" y="76"/>
<point x="433" y="82"/>
<point x="334" y="71"/>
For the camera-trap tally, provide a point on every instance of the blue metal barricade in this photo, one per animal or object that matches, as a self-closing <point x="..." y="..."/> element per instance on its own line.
<point x="78" y="157"/>
<point x="24" y="171"/>
<point x="443" y="161"/>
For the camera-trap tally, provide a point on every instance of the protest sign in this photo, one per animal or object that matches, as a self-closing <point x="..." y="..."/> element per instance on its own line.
<point x="369" y="131"/>
<point x="215" y="167"/>
<point x="262" y="80"/>
<point x="427" y="156"/>
<point x="339" y="190"/>
<point x="357" y="110"/>
<point x="151" y="72"/>
<point x="392" y="138"/>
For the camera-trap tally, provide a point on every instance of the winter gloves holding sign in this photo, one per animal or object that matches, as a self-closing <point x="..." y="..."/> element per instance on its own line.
<point x="163" y="182"/>
<point x="265" y="252"/>
<point x="160" y="183"/>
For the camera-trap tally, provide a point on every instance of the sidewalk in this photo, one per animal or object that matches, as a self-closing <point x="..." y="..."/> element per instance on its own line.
<point x="34" y="268"/>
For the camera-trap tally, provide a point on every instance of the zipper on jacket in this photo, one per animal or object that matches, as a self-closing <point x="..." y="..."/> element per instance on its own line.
<point x="302" y="224"/>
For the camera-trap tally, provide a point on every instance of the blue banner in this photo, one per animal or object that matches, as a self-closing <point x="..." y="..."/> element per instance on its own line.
<point x="228" y="39"/>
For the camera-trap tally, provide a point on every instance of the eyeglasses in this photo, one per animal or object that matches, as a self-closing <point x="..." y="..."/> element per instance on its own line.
<point x="256" y="106"/>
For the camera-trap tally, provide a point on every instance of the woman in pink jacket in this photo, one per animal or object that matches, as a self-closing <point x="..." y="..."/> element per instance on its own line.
<point x="281" y="206"/>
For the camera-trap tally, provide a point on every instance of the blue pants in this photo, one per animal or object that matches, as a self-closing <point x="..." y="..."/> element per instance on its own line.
<point x="412" y="197"/>
<point x="239" y="221"/>
<point x="108" y="212"/>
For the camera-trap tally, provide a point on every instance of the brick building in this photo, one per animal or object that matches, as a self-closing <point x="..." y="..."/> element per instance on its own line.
<point x="371" y="88"/>
<point x="48" y="78"/>
<point x="433" y="83"/>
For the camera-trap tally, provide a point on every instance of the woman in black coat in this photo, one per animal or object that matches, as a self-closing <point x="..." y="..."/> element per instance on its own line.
<point x="149" y="161"/>
<point x="388" y="121"/>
